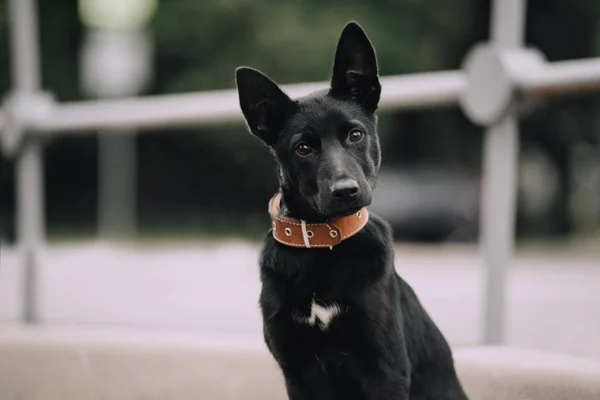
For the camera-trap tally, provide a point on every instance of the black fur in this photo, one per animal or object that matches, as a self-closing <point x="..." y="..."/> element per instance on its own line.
<point x="383" y="345"/>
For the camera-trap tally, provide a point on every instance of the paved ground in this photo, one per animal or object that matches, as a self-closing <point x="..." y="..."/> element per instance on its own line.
<point x="553" y="298"/>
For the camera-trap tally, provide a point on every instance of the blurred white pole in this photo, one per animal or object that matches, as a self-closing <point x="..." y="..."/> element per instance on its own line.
<point x="116" y="63"/>
<point x="500" y="157"/>
<point x="29" y="169"/>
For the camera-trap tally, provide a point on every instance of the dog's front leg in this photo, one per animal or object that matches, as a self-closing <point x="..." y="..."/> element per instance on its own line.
<point x="296" y="390"/>
<point x="387" y="377"/>
<point x="397" y="388"/>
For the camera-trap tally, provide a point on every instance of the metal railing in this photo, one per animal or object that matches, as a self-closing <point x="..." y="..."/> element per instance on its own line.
<point x="495" y="78"/>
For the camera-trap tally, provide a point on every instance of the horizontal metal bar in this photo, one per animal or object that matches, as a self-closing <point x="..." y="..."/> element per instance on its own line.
<point x="561" y="78"/>
<point x="423" y="90"/>
<point x="222" y="107"/>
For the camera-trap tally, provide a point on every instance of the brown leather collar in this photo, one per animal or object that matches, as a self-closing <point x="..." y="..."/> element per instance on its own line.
<point x="298" y="233"/>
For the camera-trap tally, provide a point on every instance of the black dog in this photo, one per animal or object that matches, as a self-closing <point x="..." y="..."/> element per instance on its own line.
<point x="337" y="318"/>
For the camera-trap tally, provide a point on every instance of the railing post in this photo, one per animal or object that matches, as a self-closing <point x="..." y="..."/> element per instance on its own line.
<point x="500" y="161"/>
<point x="29" y="165"/>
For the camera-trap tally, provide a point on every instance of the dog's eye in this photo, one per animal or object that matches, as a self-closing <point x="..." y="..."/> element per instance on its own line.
<point x="303" y="149"/>
<point x="355" y="136"/>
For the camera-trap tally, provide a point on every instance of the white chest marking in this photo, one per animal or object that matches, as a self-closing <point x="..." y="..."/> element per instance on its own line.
<point x="321" y="315"/>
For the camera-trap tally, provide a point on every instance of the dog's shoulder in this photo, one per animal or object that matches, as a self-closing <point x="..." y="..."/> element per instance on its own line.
<point x="378" y="229"/>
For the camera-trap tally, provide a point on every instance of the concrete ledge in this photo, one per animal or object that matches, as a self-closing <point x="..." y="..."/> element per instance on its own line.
<point x="60" y="364"/>
<point x="503" y="373"/>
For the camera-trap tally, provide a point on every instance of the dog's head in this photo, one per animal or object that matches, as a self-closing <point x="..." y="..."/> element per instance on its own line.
<point x="326" y="144"/>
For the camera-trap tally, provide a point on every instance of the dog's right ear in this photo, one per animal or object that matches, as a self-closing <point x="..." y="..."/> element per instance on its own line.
<point x="264" y="105"/>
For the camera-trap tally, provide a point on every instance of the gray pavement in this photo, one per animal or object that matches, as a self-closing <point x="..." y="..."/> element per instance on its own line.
<point x="553" y="298"/>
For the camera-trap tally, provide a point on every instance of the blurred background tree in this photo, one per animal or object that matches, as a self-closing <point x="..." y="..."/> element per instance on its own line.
<point x="218" y="180"/>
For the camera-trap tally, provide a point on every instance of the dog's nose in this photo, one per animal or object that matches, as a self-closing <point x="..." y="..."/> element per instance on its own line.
<point x="344" y="189"/>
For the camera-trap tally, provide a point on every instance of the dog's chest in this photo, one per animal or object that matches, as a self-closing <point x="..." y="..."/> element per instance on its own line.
<point x="317" y="314"/>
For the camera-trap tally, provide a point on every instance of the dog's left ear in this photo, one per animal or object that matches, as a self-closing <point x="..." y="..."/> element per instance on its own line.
<point x="355" y="72"/>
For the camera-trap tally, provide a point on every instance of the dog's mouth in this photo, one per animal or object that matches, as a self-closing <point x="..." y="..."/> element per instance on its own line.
<point x="337" y="211"/>
<point x="345" y="213"/>
<point x="330" y="207"/>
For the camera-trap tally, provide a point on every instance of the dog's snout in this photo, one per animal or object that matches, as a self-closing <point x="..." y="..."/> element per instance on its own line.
<point x="344" y="188"/>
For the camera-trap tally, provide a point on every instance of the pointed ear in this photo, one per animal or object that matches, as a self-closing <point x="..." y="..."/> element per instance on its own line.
<point x="355" y="72"/>
<point x="264" y="105"/>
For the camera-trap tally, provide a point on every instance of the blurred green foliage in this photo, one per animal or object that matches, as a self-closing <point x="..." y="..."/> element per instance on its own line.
<point x="199" y="43"/>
